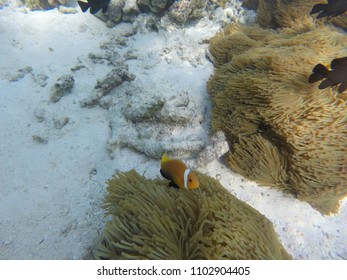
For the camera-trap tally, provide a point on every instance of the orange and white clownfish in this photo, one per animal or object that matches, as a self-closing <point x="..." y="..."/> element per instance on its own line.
<point x="178" y="173"/>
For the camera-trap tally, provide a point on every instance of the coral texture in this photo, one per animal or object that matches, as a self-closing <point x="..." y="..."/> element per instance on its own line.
<point x="61" y="87"/>
<point x="152" y="221"/>
<point x="145" y="122"/>
<point x="181" y="11"/>
<point x="114" y="12"/>
<point x="282" y="131"/>
<point x="43" y="4"/>
<point x="155" y="6"/>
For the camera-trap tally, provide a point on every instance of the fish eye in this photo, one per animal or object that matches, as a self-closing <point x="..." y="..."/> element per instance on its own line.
<point x="190" y="180"/>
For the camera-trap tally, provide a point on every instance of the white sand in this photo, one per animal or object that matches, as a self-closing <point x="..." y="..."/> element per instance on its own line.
<point x="51" y="193"/>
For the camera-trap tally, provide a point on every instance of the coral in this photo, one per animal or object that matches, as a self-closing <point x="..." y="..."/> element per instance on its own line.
<point x="4" y="3"/>
<point x="61" y="87"/>
<point x="20" y="74"/>
<point x="60" y="122"/>
<point x="40" y="139"/>
<point x="130" y="10"/>
<point x="155" y="14"/>
<point x="104" y="86"/>
<point x="220" y="3"/>
<point x="43" y="4"/>
<point x="182" y="10"/>
<point x="282" y="131"/>
<point x="114" y="12"/>
<point x="155" y="6"/>
<point x="113" y="79"/>
<point x="40" y="79"/>
<point x="146" y="122"/>
<point x="67" y="10"/>
<point x="152" y="221"/>
<point x="178" y="11"/>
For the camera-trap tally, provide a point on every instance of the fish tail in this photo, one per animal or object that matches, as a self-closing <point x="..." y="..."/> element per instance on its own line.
<point x="317" y="8"/>
<point x="83" y="5"/>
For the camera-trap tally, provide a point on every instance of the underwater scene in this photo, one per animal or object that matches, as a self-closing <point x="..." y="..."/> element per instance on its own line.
<point x="173" y="129"/>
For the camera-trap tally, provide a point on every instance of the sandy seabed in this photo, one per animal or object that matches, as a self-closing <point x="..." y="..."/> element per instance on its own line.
<point x="53" y="177"/>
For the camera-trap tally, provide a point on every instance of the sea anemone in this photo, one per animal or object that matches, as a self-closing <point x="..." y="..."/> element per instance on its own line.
<point x="152" y="221"/>
<point x="282" y="131"/>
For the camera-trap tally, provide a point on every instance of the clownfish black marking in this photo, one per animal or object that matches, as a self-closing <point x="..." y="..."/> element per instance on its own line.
<point x="178" y="173"/>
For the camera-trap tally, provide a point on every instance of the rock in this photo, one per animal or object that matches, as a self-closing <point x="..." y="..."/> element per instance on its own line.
<point x="180" y="110"/>
<point x="77" y="68"/>
<point x="113" y="14"/>
<point x="67" y="10"/>
<point x="142" y="111"/>
<point x="62" y="86"/>
<point x="40" y="111"/>
<point x="105" y="102"/>
<point x="131" y="54"/>
<point x="182" y="10"/>
<point x="179" y="11"/>
<point x="59" y="122"/>
<point x="152" y="125"/>
<point x="113" y="79"/>
<point x="21" y="73"/>
<point x="40" y="79"/>
<point x="43" y="4"/>
<point x="105" y="85"/>
<point x="109" y="56"/>
<point x="155" y="6"/>
<point x="130" y="10"/>
<point x="4" y="3"/>
<point x="40" y="139"/>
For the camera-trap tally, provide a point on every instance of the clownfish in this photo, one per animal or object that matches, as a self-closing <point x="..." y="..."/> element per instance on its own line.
<point x="178" y="173"/>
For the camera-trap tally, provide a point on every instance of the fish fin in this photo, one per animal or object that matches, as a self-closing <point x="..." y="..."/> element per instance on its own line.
<point x="317" y="8"/>
<point x="315" y="77"/>
<point x="173" y="185"/>
<point x="323" y="14"/>
<point x="342" y="87"/>
<point x="164" y="175"/>
<point x="94" y="10"/>
<point x="320" y="68"/>
<point x="83" y="5"/>
<point x="326" y="83"/>
<point x="164" y="157"/>
<point x="104" y="9"/>
<point x="319" y="72"/>
<point x="339" y="62"/>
